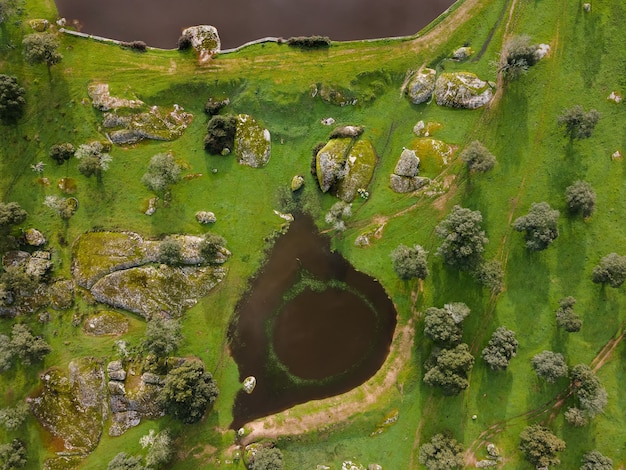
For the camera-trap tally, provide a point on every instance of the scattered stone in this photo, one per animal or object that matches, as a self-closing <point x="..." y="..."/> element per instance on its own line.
<point x="34" y="237"/>
<point x="252" y="142"/>
<point x="116" y="387"/>
<point x="347" y="131"/>
<point x="204" y="39"/>
<point x="349" y="465"/>
<point x="487" y="464"/>
<point x="374" y="466"/>
<point x="408" y="164"/>
<point x="248" y="384"/>
<point x="44" y="317"/>
<point x="287" y="217"/>
<point x="474" y="417"/>
<point x="462" y="90"/>
<point x="617" y="155"/>
<point x="152" y="205"/>
<point x="297" y="182"/>
<point x="587" y="7"/>
<point x="462" y="53"/>
<point x="615" y="97"/>
<point x="419" y="128"/>
<point x="541" y="51"/>
<point x="206" y="217"/>
<point x="421" y="86"/>
<point x="241" y="432"/>
<point x="328" y="121"/>
<point x="322" y="467"/>
<point x="492" y="450"/>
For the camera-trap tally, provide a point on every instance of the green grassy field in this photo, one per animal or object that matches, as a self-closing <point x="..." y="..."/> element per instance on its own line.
<point x="272" y="83"/>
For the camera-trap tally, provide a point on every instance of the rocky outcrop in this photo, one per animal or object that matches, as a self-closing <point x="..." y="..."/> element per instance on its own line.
<point x="408" y="164"/>
<point x="102" y="100"/>
<point x="34" y="237"/>
<point x="462" y="90"/>
<point x="61" y="294"/>
<point x="158" y="123"/>
<point x="105" y="324"/>
<point x="252" y="142"/>
<point x="204" y="39"/>
<point x="405" y="177"/>
<point x="420" y="88"/>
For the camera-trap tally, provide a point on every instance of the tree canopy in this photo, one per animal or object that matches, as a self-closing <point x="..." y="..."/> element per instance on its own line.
<point x="565" y="316"/>
<point x="540" y="225"/>
<point x="11" y="99"/>
<point x="611" y="270"/>
<point x="449" y="369"/>
<point x="477" y="157"/>
<point x="581" y="198"/>
<point x="13" y="455"/>
<point x="594" y="460"/>
<point x="42" y="48"/>
<point x="410" y="263"/>
<point x="501" y="348"/>
<point x="578" y="123"/>
<point x="441" y="453"/>
<point x="549" y="365"/>
<point x="462" y="238"/>
<point x="518" y="56"/>
<point x="162" y="173"/>
<point x="11" y="213"/>
<point x="267" y="458"/>
<point x="162" y="337"/>
<point x="441" y="327"/>
<point x="540" y="446"/>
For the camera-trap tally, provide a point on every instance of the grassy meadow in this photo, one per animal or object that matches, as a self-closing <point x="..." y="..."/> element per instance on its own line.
<point x="273" y="83"/>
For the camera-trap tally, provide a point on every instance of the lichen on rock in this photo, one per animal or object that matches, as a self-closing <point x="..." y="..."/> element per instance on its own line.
<point x="102" y="100"/>
<point x="330" y="161"/>
<point x="408" y="163"/>
<point x="252" y="142"/>
<point x="358" y="170"/>
<point x="421" y="86"/>
<point x="105" y="323"/>
<point x="204" y="39"/>
<point x="462" y="90"/>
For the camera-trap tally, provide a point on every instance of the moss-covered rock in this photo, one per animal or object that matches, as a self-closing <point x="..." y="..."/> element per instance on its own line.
<point x="154" y="289"/>
<point x="407" y="184"/>
<point x="252" y="142"/>
<point x="102" y="100"/>
<point x="204" y="39"/>
<point x="159" y="123"/>
<point x="105" y="323"/>
<point x="39" y="25"/>
<point x="358" y="170"/>
<point x="61" y="294"/>
<point x="462" y="90"/>
<point x="330" y="162"/>
<point x="72" y="405"/>
<point x="421" y="86"/>
<point x="333" y="94"/>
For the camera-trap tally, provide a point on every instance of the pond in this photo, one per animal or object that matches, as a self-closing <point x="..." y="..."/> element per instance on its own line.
<point x="310" y="327"/>
<point x="160" y="22"/>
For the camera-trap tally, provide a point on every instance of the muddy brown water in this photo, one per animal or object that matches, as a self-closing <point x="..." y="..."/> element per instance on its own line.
<point x="310" y="327"/>
<point x="160" y="22"/>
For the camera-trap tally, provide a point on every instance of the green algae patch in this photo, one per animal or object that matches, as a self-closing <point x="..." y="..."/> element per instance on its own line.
<point x="359" y="170"/>
<point x="252" y="142"/>
<point x="72" y="405"/>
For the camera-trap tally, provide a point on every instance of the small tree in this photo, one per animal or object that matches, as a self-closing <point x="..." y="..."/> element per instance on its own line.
<point x="441" y="453"/>
<point x="267" y="458"/>
<point x="518" y="55"/>
<point x="211" y="246"/>
<point x="577" y="123"/>
<point x="93" y="159"/>
<point x="581" y="198"/>
<point x="61" y="153"/>
<point x="162" y="337"/>
<point x="123" y="461"/>
<point x="12" y="418"/>
<point x="611" y="270"/>
<point x="449" y="369"/>
<point x="540" y="446"/>
<point x="42" y="48"/>
<point x="592" y="396"/>
<point x="594" y="460"/>
<point x="549" y="365"/>
<point x="13" y="455"/>
<point x="162" y="173"/>
<point x="441" y="327"/>
<point x="539" y="225"/>
<point x="11" y="99"/>
<point x="491" y="275"/>
<point x="565" y="316"/>
<point x="27" y="347"/>
<point x="170" y="252"/>
<point x="462" y="238"/>
<point x="161" y="450"/>
<point x="7" y="353"/>
<point x="501" y="348"/>
<point x="220" y="138"/>
<point x="11" y="213"/>
<point x="188" y="391"/>
<point x="478" y="158"/>
<point x="576" y="417"/>
<point x="410" y="263"/>
<point x="337" y="213"/>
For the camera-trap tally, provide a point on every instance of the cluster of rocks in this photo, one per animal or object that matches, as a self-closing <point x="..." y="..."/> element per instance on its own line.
<point x="120" y="269"/>
<point x="493" y="457"/>
<point x="345" y="165"/>
<point x="405" y="177"/>
<point x="454" y="90"/>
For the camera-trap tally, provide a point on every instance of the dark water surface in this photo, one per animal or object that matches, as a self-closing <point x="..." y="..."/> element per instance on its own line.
<point x="159" y="22"/>
<point x="311" y="326"/>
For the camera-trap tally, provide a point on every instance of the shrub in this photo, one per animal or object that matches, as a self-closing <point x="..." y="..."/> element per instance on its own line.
<point x="611" y="270"/>
<point x="11" y="99"/>
<point x="477" y="157"/>
<point x="441" y="453"/>
<point x="220" y="134"/>
<point x="211" y="246"/>
<point x="138" y="46"/>
<point x="577" y="123"/>
<point x="410" y="263"/>
<point x="61" y="153"/>
<point x="539" y="225"/>
<point x="309" y="42"/>
<point x="581" y="198"/>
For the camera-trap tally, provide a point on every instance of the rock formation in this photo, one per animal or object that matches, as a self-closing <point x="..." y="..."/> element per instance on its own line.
<point x="252" y="142"/>
<point x="462" y="90"/>
<point x="405" y="177"/>
<point x="420" y="88"/>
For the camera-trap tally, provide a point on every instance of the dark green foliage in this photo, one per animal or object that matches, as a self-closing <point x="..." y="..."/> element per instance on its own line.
<point x="61" y="153"/>
<point x="549" y="365"/>
<point x="576" y="417"/>
<point x="12" y="418"/>
<point x="211" y="246"/>
<point x="220" y="134"/>
<point x="11" y="213"/>
<point x="309" y="42"/>
<point x="501" y="348"/>
<point x="477" y="157"/>
<point x="594" y="460"/>
<point x="449" y="369"/>
<point x="11" y="99"/>
<point x="42" y="48"/>
<point x="441" y="453"/>
<point x="565" y="316"/>
<point x="441" y="327"/>
<point x="161" y="451"/>
<point x="213" y="106"/>
<point x="27" y="347"/>
<point x="592" y="396"/>
<point x="123" y="461"/>
<point x="184" y="42"/>
<point x="170" y="252"/>
<point x="162" y="337"/>
<point x="409" y="263"/>
<point x="518" y="56"/>
<point x="13" y="455"/>
<point x="162" y="173"/>
<point x="611" y="270"/>
<point x="540" y="446"/>
<point x="577" y="123"/>
<point x="491" y="275"/>
<point x="188" y="391"/>
<point x="16" y="280"/>
<point x="581" y="198"/>
<point x="138" y="46"/>
<point x="539" y="225"/>
<point x="267" y="458"/>
<point x="463" y="240"/>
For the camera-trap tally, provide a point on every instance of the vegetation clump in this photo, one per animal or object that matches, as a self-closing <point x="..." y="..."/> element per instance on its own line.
<point x="540" y="446"/>
<point x="309" y="42"/>
<point x="462" y="238"/>
<point x="501" y="349"/>
<point x="611" y="270"/>
<point x="409" y="262"/>
<point x="580" y="198"/>
<point x="441" y="453"/>
<point x="12" y="99"/>
<point x="539" y="225"/>
<point x="220" y="138"/>
<point x="61" y="153"/>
